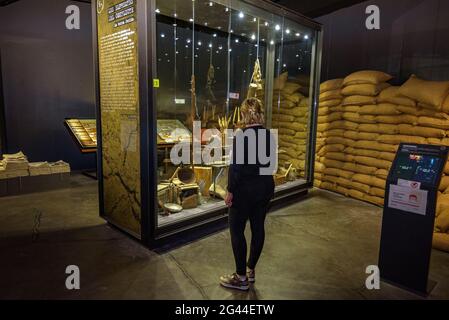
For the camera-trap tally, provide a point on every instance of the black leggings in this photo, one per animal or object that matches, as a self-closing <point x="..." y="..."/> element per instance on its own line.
<point x="254" y="210"/>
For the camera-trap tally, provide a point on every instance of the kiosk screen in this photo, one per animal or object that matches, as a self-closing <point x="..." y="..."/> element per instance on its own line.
<point x="417" y="167"/>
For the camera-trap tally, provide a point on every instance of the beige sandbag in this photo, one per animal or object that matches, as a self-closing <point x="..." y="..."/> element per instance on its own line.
<point x="323" y="111"/>
<point x="403" y="118"/>
<point x="362" y="152"/>
<point x="343" y="124"/>
<point x="358" y="100"/>
<point x="330" y="103"/>
<point x="301" y="135"/>
<point x="386" y="109"/>
<point x="367" y="76"/>
<point x="370" y="180"/>
<point x="442" y="221"/>
<point x="359" y="168"/>
<point x="295" y="97"/>
<point x="354" y="135"/>
<point x="431" y="93"/>
<point x="444" y="184"/>
<point x="362" y="90"/>
<point x="340" y="140"/>
<point x="381" y="174"/>
<point x="373" y="162"/>
<point x="389" y="156"/>
<point x="374" y="200"/>
<point x="356" y="194"/>
<point x="331" y="85"/>
<point x="333" y="164"/>
<point x="279" y="82"/>
<point x="441" y="241"/>
<point x="331" y="95"/>
<point x="339" y="173"/>
<point x="442" y="203"/>
<point x="319" y="167"/>
<point x="358" y="118"/>
<point x="330" y="179"/>
<point x="342" y="190"/>
<point x="293" y="126"/>
<point x="283" y="118"/>
<point x="287" y="131"/>
<point x="379" y="128"/>
<point x="408" y="110"/>
<point x="331" y="148"/>
<point x="334" y="133"/>
<point x="374" y="145"/>
<point x="397" y="139"/>
<point x="353" y="109"/>
<point x="328" y="186"/>
<point x="390" y="95"/>
<point x="290" y="88"/>
<point x="339" y="156"/>
<point x="377" y="192"/>
<point x="335" y="116"/>
<point x="354" y="185"/>
<point x="432" y="114"/>
<point x="433" y="123"/>
<point x="317" y="183"/>
<point x="407" y="129"/>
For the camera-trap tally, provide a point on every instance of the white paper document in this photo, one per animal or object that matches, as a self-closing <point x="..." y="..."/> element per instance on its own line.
<point x="408" y="199"/>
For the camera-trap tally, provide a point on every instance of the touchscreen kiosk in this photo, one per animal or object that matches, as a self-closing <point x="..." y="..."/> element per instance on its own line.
<point x="409" y="213"/>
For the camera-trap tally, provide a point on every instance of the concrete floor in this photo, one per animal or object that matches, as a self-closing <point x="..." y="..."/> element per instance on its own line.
<point x="316" y="249"/>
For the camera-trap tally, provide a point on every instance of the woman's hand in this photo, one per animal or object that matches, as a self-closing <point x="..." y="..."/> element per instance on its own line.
<point x="228" y="199"/>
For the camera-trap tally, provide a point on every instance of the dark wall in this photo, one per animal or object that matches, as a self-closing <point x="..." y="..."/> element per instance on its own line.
<point x="414" y="38"/>
<point x="47" y="75"/>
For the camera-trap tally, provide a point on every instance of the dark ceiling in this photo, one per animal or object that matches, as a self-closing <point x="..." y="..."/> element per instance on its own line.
<point x="310" y="8"/>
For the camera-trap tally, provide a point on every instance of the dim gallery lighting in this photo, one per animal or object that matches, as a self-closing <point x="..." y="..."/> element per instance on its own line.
<point x="241" y="15"/>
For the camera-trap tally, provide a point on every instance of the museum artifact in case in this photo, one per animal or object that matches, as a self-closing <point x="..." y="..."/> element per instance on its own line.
<point x="84" y="132"/>
<point x="171" y="77"/>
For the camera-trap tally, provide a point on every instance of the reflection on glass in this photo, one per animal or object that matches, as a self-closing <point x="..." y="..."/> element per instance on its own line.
<point x="211" y="55"/>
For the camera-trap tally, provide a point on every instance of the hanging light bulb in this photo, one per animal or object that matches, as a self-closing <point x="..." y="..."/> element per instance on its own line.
<point x="277" y="27"/>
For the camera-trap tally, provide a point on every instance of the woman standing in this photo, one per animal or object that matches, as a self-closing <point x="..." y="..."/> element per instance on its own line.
<point x="250" y="189"/>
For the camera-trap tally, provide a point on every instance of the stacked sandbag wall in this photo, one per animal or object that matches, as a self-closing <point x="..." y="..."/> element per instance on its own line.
<point x="362" y="134"/>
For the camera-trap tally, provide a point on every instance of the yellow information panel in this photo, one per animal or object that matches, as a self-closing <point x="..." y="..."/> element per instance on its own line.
<point x="119" y="110"/>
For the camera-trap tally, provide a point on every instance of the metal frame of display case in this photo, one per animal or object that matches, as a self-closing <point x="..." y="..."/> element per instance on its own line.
<point x="151" y="235"/>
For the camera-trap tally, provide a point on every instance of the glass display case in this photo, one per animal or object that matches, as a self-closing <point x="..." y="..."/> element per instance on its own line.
<point x="203" y="59"/>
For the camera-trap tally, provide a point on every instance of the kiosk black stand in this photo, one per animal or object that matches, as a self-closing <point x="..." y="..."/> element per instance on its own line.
<point x="409" y="214"/>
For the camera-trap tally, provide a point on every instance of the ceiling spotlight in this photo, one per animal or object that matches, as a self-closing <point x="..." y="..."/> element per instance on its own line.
<point x="157" y="11"/>
<point x="271" y="42"/>
<point x="162" y="35"/>
<point x="266" y="24"/>
<point x="285" y="66"/>
<point x="210" y="45"/>
<point x="232" y="31"/>
<point x="241" y="15"/>
<point x="188" y="40"/>
<point x="230" y="50"/>
<point x="205" y="23"/>
<point x="287" y="31"/>
<point x="306" y="37"/>
<point x="200" y="43"/>
<point x="220" y="47"/>
<point x="236" y="40"/>
<point x="214" y="35"/>
<point x="211" y="4"/>
<point x="254" y="19"/>
<point x="253" y="37"/>
<point x="277" y="27"/>
<point x="227" y="9"/>
<point x="297" y="34"/>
